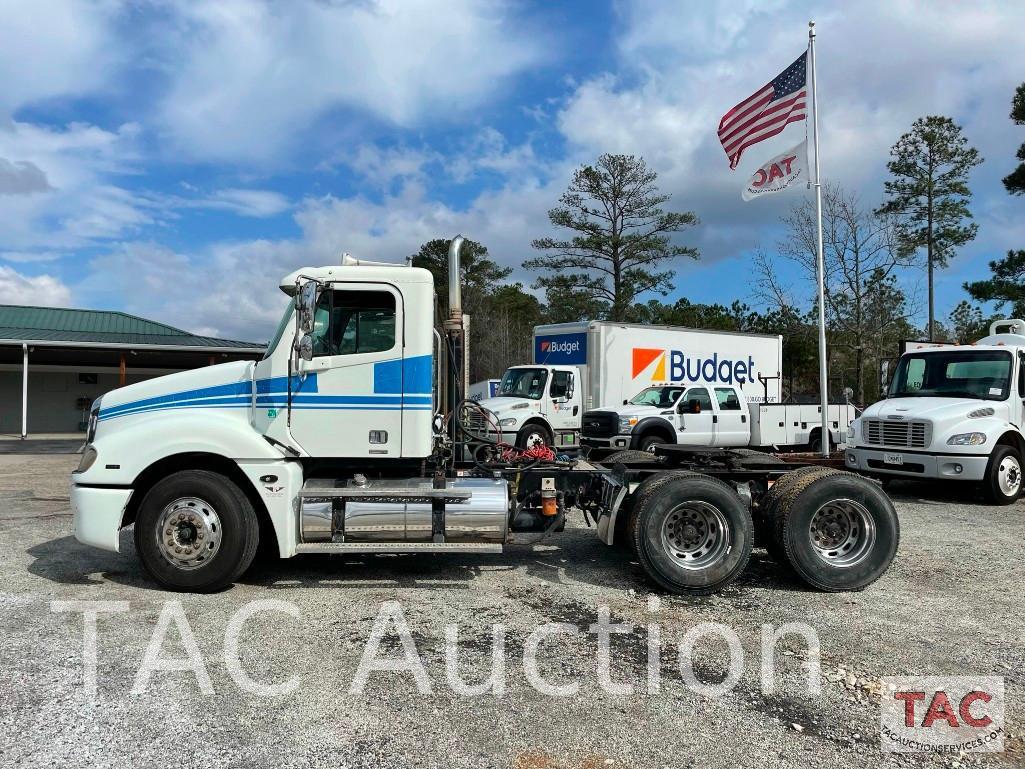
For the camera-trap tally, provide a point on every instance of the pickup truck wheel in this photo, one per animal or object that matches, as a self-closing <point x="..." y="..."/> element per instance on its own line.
<point x="630" y="457"/>
<point x="647" y="443"/>
<point x="533" y="434"/>
<point x="196" y="531"/>
<point x="1003" y="476"/>
<point x="838" y="530"/>
<point x="692" y="533"/>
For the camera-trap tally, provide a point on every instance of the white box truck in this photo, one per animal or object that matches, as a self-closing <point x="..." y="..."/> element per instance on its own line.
<point x="951" y="412"/>
<point x="582" y="366"/>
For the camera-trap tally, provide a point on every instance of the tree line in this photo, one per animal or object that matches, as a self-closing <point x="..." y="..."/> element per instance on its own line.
<point x="620" y="244"/>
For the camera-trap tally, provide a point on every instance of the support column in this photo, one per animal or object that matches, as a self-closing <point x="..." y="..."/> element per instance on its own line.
<point x="24" y="391"/>
<point x="122" y="372"/>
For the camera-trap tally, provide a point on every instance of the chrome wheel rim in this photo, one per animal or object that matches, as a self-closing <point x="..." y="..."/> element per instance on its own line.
<point x="1009" y="476"/>
<point x="696" y="535"/>
<point x="534" y="439"/>
<point x="842" y="532"/>
<point x="189" y="533"/>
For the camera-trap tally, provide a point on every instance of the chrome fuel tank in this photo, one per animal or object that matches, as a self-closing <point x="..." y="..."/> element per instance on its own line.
<point x="378" y="517"/>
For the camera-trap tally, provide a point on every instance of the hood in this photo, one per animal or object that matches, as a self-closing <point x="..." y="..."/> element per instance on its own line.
<point x="505" y="405"/>
<point x="934" y="409"/>
<point x="235" y="372"/>
<point x="631" y="410"/>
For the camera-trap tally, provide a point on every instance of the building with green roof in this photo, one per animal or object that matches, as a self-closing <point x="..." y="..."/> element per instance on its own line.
<point x="54" y="361"/>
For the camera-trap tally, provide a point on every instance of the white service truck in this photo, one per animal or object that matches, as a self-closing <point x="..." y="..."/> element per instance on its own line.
<point x="351" y="437"/>
<point x="710" y="415"/>
<point x="951" y="412"/>
<point x="581" y="366"/>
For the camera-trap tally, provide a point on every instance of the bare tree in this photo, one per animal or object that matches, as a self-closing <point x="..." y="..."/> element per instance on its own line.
<point x="862" y="255"/>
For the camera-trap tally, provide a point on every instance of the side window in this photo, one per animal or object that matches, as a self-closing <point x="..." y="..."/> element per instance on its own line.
<point x="699" y="394"/>
<point x="350" y="322"/>
<point x="561" y="381"/>
<point x="915" y="374"/>
<point x="727" y="398"/>
<point x="1021" y="375"/>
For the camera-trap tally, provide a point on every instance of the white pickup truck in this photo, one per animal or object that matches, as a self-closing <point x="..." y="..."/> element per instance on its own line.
<point x="951" y="412"/>
<point x="709" y="415"/>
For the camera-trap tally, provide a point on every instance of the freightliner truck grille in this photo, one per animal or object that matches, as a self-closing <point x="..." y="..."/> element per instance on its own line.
<point x="899" y="434"/>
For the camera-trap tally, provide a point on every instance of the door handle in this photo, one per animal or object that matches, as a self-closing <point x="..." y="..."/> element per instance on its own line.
<point x="715" y="418"/>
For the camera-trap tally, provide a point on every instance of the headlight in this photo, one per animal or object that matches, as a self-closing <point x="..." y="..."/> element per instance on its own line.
<point x="626" y="424"/>
<point x="507" y="422"/>
<point x="967" y="439"/>
<point x="88" y="458"/>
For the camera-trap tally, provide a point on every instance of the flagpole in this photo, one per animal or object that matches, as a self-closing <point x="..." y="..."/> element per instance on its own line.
<point x="820" y="262"/>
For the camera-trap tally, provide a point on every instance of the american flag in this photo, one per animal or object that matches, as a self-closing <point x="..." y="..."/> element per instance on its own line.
<point x="766" y="112"/>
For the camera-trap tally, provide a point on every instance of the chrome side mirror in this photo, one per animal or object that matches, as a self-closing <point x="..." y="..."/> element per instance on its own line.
<point x="306" y="306"/>
<point x="306" y="347"/>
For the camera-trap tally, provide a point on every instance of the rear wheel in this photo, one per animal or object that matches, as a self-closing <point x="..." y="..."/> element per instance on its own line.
<point x="692" y="533"/>
<point x="839" y="531"/>
<point x="769" y="505"/>
<point x="196" y="531"/>
<point x="1003" y="475"/>
<point x="630" y="457"/>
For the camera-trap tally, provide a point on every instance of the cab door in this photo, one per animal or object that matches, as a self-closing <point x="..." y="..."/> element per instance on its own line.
<point x="564" y="401"/>
<point x="731" y="425"/>
<point x="697" y="418"/>
<point x="348" y="400"/>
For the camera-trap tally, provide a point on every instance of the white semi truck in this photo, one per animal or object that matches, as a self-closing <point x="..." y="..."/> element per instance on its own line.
<point x="951" y="412"/>
<point x="350" y="437"/>
<point x="582" y="366"/>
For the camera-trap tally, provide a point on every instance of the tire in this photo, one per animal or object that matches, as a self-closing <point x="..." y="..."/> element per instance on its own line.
<point x="692" y="533"/>
<point x="1003" y="476"/>
<point x="752" y="458"/>
<point x="839" y="531"/>
<point x="212" y="506"/>
<point x="630" y="457"/>
<point x="768" y="506"/>
<point x="532" y="432"/>
<point x="646" y="443"/>
<point x="815" y="444"/>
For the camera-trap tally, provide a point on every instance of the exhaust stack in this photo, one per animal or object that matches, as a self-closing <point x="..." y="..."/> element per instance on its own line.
<point x="454" y="335"/>
<point x="455" y="295"/>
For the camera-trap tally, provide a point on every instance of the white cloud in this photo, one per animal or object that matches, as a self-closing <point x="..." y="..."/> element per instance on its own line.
<point x="22" y="178"/>
<point x="40" y="290"/>
<point x="30" y="256"/>
<point x="245" y="202"/>
<point x="249" y="79"/>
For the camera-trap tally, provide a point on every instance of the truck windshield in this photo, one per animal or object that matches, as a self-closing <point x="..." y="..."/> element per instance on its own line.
<point x="985" y="375"/>
<point x="282" y="325"/>
<point x="523" y="383"/>
<point x="660" y="397"/>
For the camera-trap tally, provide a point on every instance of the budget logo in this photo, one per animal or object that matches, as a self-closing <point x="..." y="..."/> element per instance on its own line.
<point x="562" y="349"/>
<point x="676" y="366"/>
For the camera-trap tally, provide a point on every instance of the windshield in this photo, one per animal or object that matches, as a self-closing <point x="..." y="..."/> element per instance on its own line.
<point x="523" y="383"/>
<point x="956" y="374"/>
<point x="660" y="397"/>
<point x="282" y="325"/>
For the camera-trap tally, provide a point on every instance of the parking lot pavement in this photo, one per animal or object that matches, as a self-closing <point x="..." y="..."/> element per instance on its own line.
<point x="951" y="604"/>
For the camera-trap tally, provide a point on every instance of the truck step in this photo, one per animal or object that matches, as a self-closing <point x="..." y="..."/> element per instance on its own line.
<point x="397" y="547"/>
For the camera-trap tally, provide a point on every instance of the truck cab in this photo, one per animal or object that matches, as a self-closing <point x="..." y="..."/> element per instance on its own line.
<point x="537" y="405"/>
<point x="687" y="415"/>
<point x="951" y="412"/>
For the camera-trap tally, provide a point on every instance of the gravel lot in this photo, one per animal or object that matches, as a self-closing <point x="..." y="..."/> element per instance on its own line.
<point x="950" y="605"/>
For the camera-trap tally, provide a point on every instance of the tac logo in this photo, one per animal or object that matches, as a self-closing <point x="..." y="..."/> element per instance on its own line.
<point x="944" y="714"/>
<point x="675" y="366"/>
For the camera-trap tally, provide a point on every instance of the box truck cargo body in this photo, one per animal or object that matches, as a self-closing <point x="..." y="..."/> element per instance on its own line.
<point x="590" y="364"/>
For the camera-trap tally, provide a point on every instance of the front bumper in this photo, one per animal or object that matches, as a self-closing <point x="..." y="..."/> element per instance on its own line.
<point x="963" y="467"/>
<point x="98" y="513"/>
<point x="615" y="442"/>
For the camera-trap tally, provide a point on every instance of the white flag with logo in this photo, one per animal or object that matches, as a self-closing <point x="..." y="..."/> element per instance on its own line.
<point x="779" y="173"/>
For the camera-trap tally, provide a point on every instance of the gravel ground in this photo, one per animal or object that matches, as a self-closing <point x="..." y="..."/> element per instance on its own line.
<point x="950" y="605"/>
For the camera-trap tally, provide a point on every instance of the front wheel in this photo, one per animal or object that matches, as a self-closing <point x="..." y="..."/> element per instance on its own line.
<point x="1003" y="476"/>
<point x="533" y="435"/>
<point x="647" y="443"/>
<point x="196" y="532"/>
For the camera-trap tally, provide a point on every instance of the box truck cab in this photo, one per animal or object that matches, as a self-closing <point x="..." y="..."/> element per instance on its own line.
<point x="594" y="364"/>
<point x="951" y="412"/>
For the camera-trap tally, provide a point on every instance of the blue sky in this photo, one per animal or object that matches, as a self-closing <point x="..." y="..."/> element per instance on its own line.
<point x="175" y="159"/>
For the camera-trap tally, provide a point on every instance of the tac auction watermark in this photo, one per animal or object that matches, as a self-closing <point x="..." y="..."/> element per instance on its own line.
<point x="942" y="714"/>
